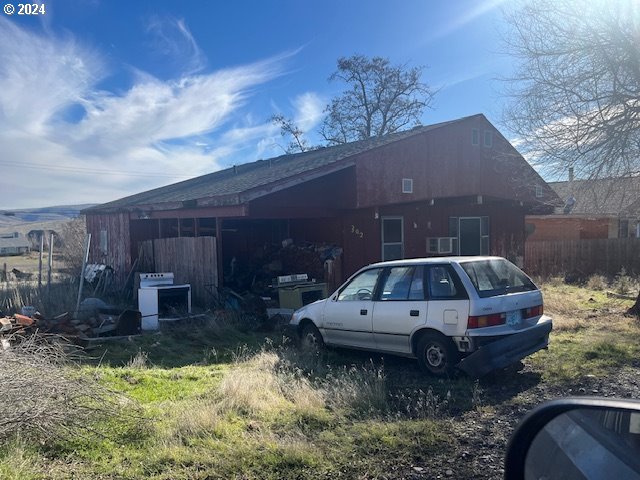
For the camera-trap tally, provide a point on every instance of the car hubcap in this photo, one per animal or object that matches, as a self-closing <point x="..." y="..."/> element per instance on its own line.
<point x="435" y="356"/>
<point x="311" y="340"/>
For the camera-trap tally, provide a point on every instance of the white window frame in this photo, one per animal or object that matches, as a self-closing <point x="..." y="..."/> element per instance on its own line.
<point x="487" y="134"/>
<point x="475" y="136"/>
<point x="539" y="191"/>
<point x="382" y="242"/>
<point x="407" y="185"/>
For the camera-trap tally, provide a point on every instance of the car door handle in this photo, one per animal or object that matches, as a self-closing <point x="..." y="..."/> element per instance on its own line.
<point x="414" y="313"/>
<point x="363" y="311"/>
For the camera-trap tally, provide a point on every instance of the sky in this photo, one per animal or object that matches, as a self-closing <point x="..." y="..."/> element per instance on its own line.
<point x="100" y="99"/>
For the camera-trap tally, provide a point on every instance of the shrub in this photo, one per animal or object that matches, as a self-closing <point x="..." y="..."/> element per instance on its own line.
<point x="597" y="282"/>
<point x="623" y="282"/>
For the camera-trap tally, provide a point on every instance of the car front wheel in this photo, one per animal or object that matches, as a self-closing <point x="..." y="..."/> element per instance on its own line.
<point x="311" y="338"/>
<point x="437" y="355"/>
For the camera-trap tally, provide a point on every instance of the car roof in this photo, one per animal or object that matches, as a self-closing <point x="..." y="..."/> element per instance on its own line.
<point x="431" y="260"/>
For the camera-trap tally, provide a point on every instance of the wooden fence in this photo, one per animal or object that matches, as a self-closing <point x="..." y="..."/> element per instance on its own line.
<point x="582" y="257"/>
<point x="191" y="259"/>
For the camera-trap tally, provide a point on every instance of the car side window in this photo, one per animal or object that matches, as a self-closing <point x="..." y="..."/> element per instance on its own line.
<point x="397" y="284"/>
<point x="443" y="285"/>
<point x="361" y="287"/>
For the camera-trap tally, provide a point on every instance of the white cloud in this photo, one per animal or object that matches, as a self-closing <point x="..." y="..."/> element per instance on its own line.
<point x="164" y="128"/>
<point x="173" y="40"/>
<point x="479" y="9"/>
<point x="309" y="108"/>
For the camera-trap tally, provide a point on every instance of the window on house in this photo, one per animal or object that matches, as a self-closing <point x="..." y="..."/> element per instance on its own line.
<point x="623" y="228"/>
<point x="488" y="138"/>
<point x="407" y="185"/>
<point x="104" y="246"/>
<point x="539" y="191"/>
<point x="392" y="238"/>
<point x="475" y="136"/>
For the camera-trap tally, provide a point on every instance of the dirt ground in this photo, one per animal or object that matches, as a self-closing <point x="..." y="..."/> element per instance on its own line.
<point x="481" y="437"/>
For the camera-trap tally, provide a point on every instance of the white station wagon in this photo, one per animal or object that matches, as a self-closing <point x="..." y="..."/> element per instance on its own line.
<point x="474" y="313"/>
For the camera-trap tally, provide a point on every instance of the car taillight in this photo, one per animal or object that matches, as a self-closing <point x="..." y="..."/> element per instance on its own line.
<point x="481" y="321"/>
<point x="533" y="311"/>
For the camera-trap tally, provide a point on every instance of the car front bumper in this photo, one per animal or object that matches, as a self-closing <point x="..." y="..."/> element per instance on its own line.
<point x="504" y="352"/>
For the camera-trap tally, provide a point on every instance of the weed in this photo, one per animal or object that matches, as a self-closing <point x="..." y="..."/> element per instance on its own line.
<point x="140" y="360"/>
<point x="597" y="282"/>
<point x="623" y="282"/>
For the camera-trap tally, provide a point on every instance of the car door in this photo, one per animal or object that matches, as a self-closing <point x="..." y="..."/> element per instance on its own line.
<point x="448" y="300"/>
<point x="347" y="318"/>
<point x="400" y="307"/>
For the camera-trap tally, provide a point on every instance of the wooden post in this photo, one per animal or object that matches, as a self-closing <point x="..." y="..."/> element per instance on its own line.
<point x="85" y="259"/>
<point x="49" y="264"/>
<point x="40" y="261"/>
<point x="219" y="251"/>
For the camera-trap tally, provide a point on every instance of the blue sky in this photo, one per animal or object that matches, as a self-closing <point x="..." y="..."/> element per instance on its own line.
<point x="101" y="99"/>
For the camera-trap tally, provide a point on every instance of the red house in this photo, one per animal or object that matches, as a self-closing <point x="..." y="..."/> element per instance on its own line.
<point x="456" y="187"/>
<point x="592" y="209"/>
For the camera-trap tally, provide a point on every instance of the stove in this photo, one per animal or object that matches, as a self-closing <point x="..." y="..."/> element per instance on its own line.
<point x="159" y="299"/>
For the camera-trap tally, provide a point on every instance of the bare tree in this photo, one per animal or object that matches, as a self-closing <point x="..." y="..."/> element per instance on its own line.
<point x="380" y="98"/>
<point x="288" y="128"/>
<point x="576" y="91"/>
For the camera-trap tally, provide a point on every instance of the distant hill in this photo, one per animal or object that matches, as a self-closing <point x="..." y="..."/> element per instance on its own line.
<point x="23" y="217"/>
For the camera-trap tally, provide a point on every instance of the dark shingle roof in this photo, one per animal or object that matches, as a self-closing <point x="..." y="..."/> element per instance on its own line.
<point x="231" y="182"/>
<point x="610" y="196"/>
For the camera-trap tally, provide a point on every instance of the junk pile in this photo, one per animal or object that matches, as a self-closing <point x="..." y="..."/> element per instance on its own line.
<point x="95" y="319"/>
<point x="275" y="260"/>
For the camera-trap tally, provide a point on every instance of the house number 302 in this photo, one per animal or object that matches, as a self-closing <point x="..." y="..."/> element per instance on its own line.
<point x="356" y="231"/>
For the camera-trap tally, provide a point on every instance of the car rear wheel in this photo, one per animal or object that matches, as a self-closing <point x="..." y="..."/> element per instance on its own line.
<point x="311" y="338"/>
<point x="437" y="355"/>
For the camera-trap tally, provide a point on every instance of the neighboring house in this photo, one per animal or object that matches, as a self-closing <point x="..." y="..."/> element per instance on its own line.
<point x="456" y="187"/>
<point x="14" y="244"/>
<point x="607" y="208"/>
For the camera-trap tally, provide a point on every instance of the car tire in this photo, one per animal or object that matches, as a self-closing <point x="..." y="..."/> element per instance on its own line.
<point x="437" y="355"/>
<point x="311" y="338"/>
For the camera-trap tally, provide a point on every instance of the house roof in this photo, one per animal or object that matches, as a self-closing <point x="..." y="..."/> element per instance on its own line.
<point x="229" y="183"/>
<point x="605" y="197"/>
<point x="19" y="242"/>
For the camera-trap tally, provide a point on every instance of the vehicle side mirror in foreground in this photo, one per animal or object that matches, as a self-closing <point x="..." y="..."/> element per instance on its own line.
<point x="577" y="438"/>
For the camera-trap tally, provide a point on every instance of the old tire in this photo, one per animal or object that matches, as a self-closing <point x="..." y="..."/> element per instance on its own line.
<point x="311" y="338"/>
<point x="437" y="355"/>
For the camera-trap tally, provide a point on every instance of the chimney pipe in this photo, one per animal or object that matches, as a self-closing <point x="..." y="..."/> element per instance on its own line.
<point x="571" y="174"/>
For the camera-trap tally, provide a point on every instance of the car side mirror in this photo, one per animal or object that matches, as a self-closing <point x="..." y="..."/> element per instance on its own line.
<point x="577" y="438"/>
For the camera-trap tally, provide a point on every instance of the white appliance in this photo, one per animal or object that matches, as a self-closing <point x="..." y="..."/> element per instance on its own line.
<point x="160" y="299"/>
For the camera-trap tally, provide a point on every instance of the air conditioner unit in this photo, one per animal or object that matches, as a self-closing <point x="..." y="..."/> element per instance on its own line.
<point x="440" y="245"/>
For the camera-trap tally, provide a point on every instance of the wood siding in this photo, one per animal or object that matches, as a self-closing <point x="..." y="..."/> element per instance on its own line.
<point x="192" y="261"/>
<point x="583" y="257"/>
<point x="118" y="252"/>
<point x="444" y="163"/>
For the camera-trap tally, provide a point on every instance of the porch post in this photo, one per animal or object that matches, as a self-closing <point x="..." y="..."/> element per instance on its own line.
<point x="219" y="262"/>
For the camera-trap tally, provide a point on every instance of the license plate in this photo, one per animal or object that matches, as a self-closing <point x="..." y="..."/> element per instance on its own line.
<point x="514" y="318"/>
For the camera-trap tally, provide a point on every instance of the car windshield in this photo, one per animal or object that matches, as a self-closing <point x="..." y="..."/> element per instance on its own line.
<point x="496" y="277"/>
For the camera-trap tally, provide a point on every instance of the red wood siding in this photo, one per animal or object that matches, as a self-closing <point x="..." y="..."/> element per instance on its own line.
<point x="443" y="163"/>
<point x="322" y="197"/>
<point x="118" y="255"/>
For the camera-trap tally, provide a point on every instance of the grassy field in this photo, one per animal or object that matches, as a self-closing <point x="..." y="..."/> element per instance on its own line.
<point x="217" y="402"/>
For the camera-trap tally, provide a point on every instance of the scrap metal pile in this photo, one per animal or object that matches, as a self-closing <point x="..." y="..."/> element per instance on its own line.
<point x="101" y="322"/>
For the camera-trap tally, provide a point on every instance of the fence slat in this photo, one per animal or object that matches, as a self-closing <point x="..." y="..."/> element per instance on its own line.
<point x="582" y="257"/>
